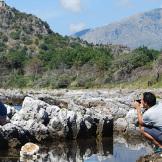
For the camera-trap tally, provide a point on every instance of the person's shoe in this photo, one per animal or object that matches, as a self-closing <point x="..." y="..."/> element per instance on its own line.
<point x="157" y="150"/>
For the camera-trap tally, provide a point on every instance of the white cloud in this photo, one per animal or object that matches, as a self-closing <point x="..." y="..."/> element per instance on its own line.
<point x="72" y="5"/>
<point x="77" y="27"/>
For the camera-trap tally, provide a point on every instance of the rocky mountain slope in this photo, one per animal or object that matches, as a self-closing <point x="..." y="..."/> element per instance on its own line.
<point x="138" y="30"/>
<point x="19" y="29"/>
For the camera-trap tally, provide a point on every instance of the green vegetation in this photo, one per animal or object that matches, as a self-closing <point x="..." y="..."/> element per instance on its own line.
<point x="61" y="63"/>
<point x="31" y="55"/>
<point x="15" y="35"/>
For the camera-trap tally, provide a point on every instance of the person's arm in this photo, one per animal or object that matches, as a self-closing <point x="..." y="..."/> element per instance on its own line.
<point x="140" y="118"/>
<point x="139" y="114"/>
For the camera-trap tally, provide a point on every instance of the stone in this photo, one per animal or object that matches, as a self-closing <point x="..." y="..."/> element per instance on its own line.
<point x="29" y="152"/>
<point x="120" y="125"/>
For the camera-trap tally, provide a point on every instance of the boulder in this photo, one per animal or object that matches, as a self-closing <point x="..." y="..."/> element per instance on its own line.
<point x="13" y="136"/>
<point x="29" y="152"/>
<point x="120" y="125"/>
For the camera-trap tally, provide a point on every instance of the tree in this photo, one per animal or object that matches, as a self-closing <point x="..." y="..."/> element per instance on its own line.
<point x="34" y="66"/>
<point x="16" y="58"/>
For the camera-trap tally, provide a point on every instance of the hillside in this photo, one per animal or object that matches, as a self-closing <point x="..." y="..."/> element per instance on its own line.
<point x="32" y="55"/>
<point x="20" y="29"/>
<point x="135" y="31"/>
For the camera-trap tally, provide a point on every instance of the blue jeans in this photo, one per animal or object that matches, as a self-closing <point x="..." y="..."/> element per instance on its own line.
<point x="155" y="133"/>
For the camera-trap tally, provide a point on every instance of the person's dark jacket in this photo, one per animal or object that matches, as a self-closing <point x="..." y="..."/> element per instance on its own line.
<point x="3" y="109"/>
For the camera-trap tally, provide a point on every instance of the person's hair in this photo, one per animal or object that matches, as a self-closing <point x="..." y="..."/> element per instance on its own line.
<point x="149" y="98"/>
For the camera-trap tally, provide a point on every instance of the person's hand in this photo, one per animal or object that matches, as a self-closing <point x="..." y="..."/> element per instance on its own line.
<point x="137" y="105"/>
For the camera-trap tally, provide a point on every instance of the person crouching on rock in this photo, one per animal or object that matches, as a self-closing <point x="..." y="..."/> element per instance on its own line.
<point x="150" y="123"/>
<point x="3" y="114"/>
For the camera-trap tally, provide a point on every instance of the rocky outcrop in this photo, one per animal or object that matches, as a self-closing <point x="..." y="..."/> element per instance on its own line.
<point x="11" y="19"/>
<point x="39" y="121"/>
<point x="68" y="114"/>
<point x="13" y="136"/>
<point x="44" y="120"/>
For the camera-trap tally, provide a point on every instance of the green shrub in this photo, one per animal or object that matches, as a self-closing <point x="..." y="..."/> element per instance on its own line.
<point x="2" y="47"/>
<point x="15" y="35"/>
<point x="17" y="81"/>
<point x="16" y="58"/>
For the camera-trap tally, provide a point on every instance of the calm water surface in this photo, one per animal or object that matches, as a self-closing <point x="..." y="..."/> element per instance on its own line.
<point x="83" y="151"/>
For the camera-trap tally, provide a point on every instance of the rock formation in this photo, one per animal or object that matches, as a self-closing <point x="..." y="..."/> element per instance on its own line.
<point x="69" y="115"/>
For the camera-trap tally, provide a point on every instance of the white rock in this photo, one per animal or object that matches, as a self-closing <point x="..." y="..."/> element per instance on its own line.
<point x="120" y="125"/>
<point x="29" y="150"/>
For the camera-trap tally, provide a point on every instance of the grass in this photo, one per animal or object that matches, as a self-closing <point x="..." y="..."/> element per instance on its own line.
<point x="49" y="82"/>
<point x="141" y="83"/>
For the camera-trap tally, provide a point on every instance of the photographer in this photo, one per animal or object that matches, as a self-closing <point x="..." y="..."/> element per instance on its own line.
<point x="150" y="123"/>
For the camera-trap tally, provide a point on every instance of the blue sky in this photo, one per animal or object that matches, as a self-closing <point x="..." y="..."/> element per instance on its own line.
<point x="69" y="16"/>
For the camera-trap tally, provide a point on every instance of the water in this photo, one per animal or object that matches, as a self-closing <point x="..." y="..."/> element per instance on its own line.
<point x="18" y="107"/>
<point x="120" y="154"/>
<point x="84" y="151"/>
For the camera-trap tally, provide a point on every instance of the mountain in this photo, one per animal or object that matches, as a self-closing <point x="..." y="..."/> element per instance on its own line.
<point x="138" y="30"/>
<point x="81" y="33"/>
<point x="20" y="29"/>
<point x="12" y="19"/>
<point x="34" y="56"/>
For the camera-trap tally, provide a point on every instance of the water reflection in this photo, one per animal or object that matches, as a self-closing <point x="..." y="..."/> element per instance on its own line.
<point x="91" y="150"/>
<point x="18" y="107"/>
<point x="72" y="151"/>
<point x="120" y="154"/>
<point x="77" y="151"/>
<point x="11" y="155"/>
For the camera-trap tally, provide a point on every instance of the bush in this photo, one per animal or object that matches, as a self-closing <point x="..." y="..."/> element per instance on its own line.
<point x="4" y="38"/>
<point x="2" y="47"/>
<point x="63" y="81"/>
<point x="17" y="81"/>
<point x="16" y="59"/>
<point x="15" y="35"/>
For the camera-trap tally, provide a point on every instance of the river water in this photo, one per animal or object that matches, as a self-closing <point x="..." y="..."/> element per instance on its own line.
<point x="83" y="151"/>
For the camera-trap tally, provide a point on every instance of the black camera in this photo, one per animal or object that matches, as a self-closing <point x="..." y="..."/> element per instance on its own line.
<point x="139" y="101"/>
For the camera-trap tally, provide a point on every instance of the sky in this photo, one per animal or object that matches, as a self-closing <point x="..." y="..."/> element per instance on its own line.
<point x="69" y="16"/>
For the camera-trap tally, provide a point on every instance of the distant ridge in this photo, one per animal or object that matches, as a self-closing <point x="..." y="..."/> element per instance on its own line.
<point x="81" y="33"/>
<point x="138" y="30"/>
